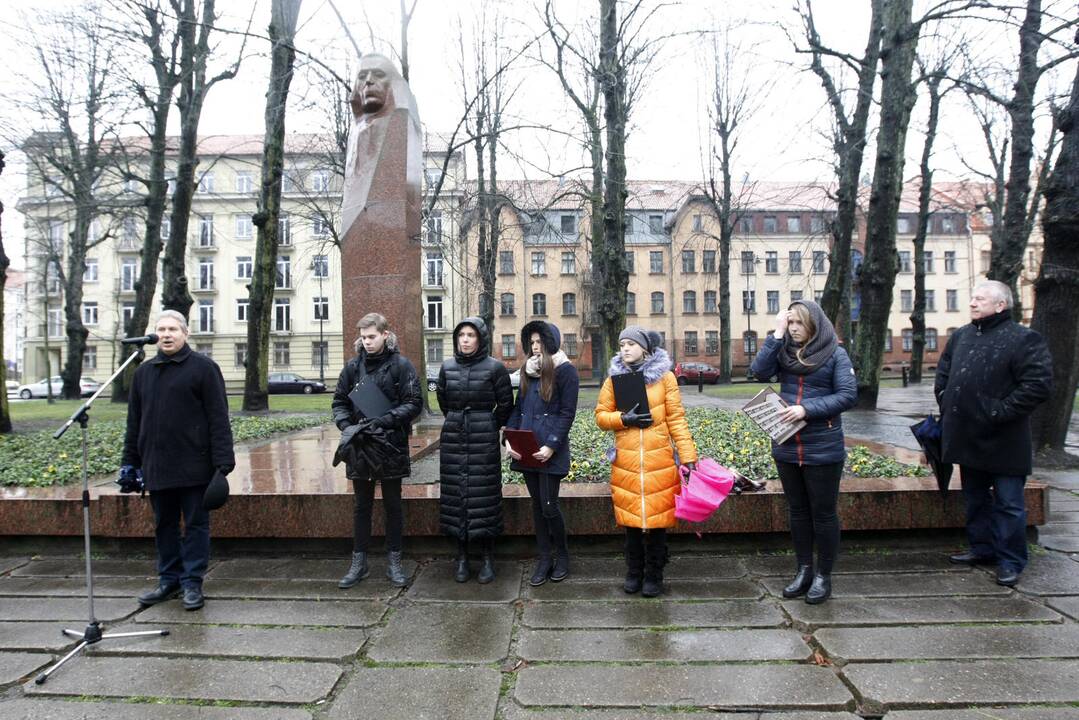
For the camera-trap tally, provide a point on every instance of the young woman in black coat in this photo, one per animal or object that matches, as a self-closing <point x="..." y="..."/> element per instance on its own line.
<point x="378" y="358"/>
<point x="546" y="405"/>
<point x="476" y="396"/>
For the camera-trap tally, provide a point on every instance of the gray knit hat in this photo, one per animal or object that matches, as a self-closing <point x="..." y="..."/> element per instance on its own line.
<point x="637" y="334"/>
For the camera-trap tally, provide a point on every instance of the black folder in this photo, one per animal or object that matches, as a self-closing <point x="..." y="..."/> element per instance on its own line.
<point x="630" y="394"/>
<point x="368" y="399"/>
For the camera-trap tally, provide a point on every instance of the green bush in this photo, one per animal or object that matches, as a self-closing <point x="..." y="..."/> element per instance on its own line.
<point x="36" y="460"/>
<point x="730" y="438"/>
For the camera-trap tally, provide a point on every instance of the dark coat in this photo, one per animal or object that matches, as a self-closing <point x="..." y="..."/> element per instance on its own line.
<point x="396" y="378"/>
<point x="991" y="377"/>
<point x="824" y="393"/>
<point x="549" y="420"/>
<point x="476" y="396"/>
<point x="178" y="428"/>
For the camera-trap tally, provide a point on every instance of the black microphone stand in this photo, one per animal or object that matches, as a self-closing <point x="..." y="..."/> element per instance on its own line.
<point x="92" y="634"/>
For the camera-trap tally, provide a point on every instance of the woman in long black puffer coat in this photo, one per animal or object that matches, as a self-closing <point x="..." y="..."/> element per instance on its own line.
<point x="476" y="397"/>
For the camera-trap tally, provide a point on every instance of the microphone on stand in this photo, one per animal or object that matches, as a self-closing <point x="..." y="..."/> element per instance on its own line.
<point x="150" y="339"/>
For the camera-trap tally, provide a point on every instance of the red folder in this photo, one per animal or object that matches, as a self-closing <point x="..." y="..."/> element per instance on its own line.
<point x="524" y="443"/>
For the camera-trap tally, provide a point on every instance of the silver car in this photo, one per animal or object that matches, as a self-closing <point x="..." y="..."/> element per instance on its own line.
<point x="87" y="386"/>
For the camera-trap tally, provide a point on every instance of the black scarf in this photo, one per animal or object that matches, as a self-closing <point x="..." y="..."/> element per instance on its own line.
<point x="817" y="351"/>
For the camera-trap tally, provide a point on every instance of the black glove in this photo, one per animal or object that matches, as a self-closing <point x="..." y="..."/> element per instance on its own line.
<point x="130" y="479"/>
<point x="635" y="419"/>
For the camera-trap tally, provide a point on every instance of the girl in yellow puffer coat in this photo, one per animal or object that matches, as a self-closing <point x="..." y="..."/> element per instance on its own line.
<point x="644" y="472"/>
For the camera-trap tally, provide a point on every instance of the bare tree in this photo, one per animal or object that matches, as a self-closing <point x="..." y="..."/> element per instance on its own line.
<point x="5" y="263"/>
<point x="283" y="17"/>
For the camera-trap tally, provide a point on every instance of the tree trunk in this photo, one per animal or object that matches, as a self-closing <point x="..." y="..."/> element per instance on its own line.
<point x="595" y="202"/>
<point x="898" y="47"/>
<point x="283" y="17"/>
<point x="5" y="262"/>
<point x="74" y="329"/>
<point x="1057" y="286"/>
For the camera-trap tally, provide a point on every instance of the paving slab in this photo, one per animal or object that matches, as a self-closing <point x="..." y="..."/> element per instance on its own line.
<point x="685" y="567"/>
<point x="192" y="679"/>
<point x="1067" y="605"/>
<point x="655" y="614"/>
<point x="812" y="716"/>
<point x="904" y="585"/>
<point x="336" y="644"/>
<point x="445" y="633"/>
<point x="299" y="568"/>
<point x="436" y="584"/>
<point x="10" y="563"/>
<point x="76" y="567"/>
<point x="648" y="645"/>
<point x="1039" y="713"/>
<point x="511" y="711"/>
<point x="1062" y="542"/>
<point x="269" y="612"/>
<point x="1063" y="516"/>
<point x="918" y="611"/>
<point x="986" y="682"/>
<point x="672" y="589"/>
<point x="369" y="589"/>
<point x="873" y="563"/>
<point x="124" y="587"/>
<point x="1050" y="574"/>
<point x="65" y="609"/>
<point x="35" y="636"/>
<point x="718" y="686"/>
<point x="943" y="643"/>
<point x="17" y="665"/>
<point x="47" y="709"/>
<point x="411" y="693"/>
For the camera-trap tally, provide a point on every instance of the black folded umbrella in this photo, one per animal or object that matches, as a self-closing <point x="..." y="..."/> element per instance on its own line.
<point x="928" y="434"/>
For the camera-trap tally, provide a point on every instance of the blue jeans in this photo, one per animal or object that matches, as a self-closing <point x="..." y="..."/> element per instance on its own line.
<point x="997" y="521"/>
<point x="181" y="560"/>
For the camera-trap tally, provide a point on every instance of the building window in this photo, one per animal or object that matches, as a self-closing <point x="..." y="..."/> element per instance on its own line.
<point x="539" y="304"/>
<point x="320" y="266"/>
<point x="89" y="313"/>
<point x="906" y="300"/>
<point x="689" y="302"/>
<point x="245" y="182"/>
<point x="244" y="266"/>
<point x="711" y="342"/>
<point x="281" y="354"/>
<point x="242" y="304"/>
<point x="947" y="225"/>
<point x="710" y="301"/>
<point x="902" y="226"/>
<point x="631" y="262"/>
<point x="283" y="278"/>
<point x="284" y="229"/>
<point x="320" y="226"/>
<point x="689" y="261"/>
<point x="434" y="351"/>
<point x="89" y="358"/>
<point x="770" y="225"/>
<point x="569" y="303"/>
<point x="206" y="316"/>
<point x="773" y="302"/>
<point x="206" y="273"/>
<point x="930" y="301"/>
<point x="817" y="295"/>
<point x="206" y="183"/>
<point x="320" y="181"/>
<point x="657" y="303"/>
<point x="539" y="263"/>
<point x="130" y="232"/>
<point x="245" y="230"/>
<point x="509" y="346"/>
<point x="949" y="261"/>
<point x="749" y="302"/>
<point x="904" y="261"/>
<point x="655" y="224"/>
<point x="320" y="353"/>
<point x="282" y="315"/>
<point x="569" y="345"/>
<point x="129" y="274"/>
<point x="434" y="312"/>
<point x="505" y="304"/>
<point x="749" y="343"/>
<point x="433" y="268"/>
<point x="321" y="306"/>
<point x="818" y="261"/>
<point x="690" y="342"/>
<point x="90" y="270"/>
<point x="931" y="339"/>
<point x="708" y="261"/>
<point x="655" y="261"/>
<point x="698" y="223"/>
<point x="796" y="295"/>
<point x="794" y="262"/>
<point x="771" y="262"/>
<point x="127" y="311"/>
<point x="206" y="230"/>
<point x="241" y="354"/>
<point x="631" y="303"/>
<point x="748" y="262"/>
<point x="166" y="228"/>
<point x="952" y="300"/>
<point x="888" y="341"/>
<point x="505" y="262"/>
<point x="569" y="263"/>
<point x="928" y="264"/>
<point x="908" y="340"/>
<point x="794" y="224"/>
<point x="816" y="224"/>
<point x="55" y="322"/>
<point x="433" y="227"/>
<point x="568" y="224"/>
<point x="745" y="224"/>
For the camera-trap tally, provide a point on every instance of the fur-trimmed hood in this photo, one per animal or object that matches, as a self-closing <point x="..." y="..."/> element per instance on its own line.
<point x="655" y="366"/>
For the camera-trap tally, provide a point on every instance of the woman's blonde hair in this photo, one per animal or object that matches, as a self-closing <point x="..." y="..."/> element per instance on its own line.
<point x="801" y="312"/>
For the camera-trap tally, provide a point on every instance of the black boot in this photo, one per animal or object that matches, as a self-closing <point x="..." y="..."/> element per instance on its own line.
<point x="542" y="571"/>
<point x="560" y="571"/>
<point x="356" y="571"/>
<point x="394" y="571"/>
<point x="655" y="557"/>
<point x="487" y="571"/>
<point x="634" y="561"/>
<point x="463" y="570"/>
<point x="801" y="582"/>
<point x="820" y="590"/>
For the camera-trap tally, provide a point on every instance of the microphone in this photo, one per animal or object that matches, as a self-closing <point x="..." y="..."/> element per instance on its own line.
<point x="150" y="339"/>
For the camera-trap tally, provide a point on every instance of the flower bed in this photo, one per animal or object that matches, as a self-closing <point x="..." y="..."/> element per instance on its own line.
<point x="730" y="438"/>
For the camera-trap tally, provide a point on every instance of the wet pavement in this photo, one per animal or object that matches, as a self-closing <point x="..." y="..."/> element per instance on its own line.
<point x="907" y="636"/>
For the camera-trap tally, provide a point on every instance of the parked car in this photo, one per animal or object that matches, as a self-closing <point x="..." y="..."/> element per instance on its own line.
<point x="690" y="372"/>
<point x="12" y="388"/>
<point x="286" y="382"/>
<point x="87" y="386"/>
<point x="432" y="378"/>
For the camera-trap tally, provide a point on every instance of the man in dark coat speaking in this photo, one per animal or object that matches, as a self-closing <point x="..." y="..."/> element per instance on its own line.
<point x="178" y="433"/>
<point x="994" y="372"/>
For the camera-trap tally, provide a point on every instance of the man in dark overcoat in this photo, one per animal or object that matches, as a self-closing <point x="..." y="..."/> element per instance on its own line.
<point x="178" y="433"/>
<point x="993" y="374"/>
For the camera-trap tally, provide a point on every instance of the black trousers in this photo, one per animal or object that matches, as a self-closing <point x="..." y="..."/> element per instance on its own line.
<point x="641" y="553"/>
<point x="365" y="503"/>
<point x="547" y="515"/>
<point x="181" y="560"/>
<point x="812" y="493"/>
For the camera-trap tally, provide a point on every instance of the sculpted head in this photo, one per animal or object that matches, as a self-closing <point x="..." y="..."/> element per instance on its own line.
<point x="372" y="93"/>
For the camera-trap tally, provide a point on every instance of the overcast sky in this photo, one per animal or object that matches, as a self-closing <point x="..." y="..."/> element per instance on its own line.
<point x="786" y="139"/>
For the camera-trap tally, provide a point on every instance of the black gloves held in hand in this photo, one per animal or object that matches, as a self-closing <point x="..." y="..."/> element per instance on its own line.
<point x="635" y="419"/>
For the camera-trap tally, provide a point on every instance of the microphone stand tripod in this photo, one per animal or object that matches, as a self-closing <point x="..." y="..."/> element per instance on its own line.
<point x="92" y="634"/>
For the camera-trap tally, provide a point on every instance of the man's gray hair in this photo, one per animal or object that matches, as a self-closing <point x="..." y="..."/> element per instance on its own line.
<point x="1000" y="291"/>
<point x="175" y="316"/>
